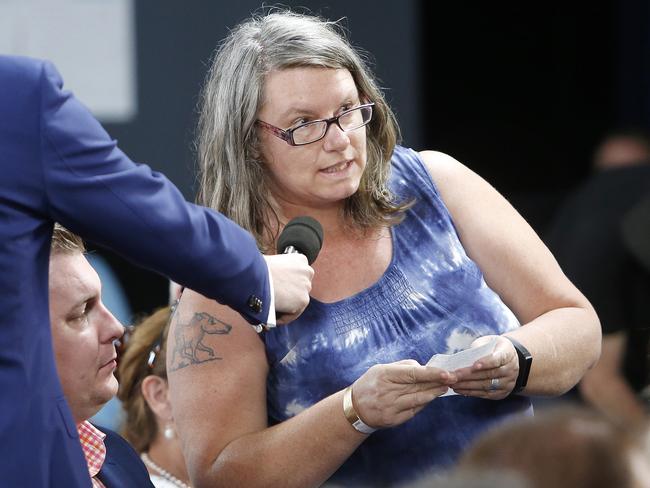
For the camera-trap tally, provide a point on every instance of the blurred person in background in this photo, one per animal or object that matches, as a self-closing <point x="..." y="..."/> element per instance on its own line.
<point x="565" y="447"/>
<point x="587" y="240"/>
<point x="149" y="424"/>
<point x="472" y="477"/>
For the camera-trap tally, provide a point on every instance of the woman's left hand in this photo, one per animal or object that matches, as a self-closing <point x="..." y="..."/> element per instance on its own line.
<point x="492" y="377"/>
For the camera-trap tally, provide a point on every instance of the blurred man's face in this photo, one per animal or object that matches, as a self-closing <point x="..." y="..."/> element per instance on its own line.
<point x="83" y="333"/>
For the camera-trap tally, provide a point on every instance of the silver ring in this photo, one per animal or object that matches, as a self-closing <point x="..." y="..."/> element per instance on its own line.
<point x="494" y="384"/>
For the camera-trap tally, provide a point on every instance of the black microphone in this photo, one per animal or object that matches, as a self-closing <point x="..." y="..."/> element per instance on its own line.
<point x="303" y="235"/>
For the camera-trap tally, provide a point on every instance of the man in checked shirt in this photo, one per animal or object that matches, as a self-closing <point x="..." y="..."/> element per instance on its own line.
<point x="84" y="333"/>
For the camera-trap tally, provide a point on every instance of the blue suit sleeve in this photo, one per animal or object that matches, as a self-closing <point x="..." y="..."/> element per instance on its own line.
<point x="95" y="190"/>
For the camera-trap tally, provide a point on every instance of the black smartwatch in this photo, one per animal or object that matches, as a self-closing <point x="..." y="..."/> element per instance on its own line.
<point x="525" y="360"/>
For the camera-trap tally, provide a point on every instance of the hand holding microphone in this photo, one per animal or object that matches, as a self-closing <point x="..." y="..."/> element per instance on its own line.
<point x="299" y="245"/>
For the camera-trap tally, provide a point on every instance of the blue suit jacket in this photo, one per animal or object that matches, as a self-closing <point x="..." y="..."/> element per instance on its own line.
<point x="58" y="164"/>
<point x="122" y="467"/>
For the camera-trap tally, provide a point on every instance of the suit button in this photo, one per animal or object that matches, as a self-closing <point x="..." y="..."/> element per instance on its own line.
<point x="255" y="304"/>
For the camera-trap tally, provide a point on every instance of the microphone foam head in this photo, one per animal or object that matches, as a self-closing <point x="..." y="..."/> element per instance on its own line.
<point x="305" y="234"/>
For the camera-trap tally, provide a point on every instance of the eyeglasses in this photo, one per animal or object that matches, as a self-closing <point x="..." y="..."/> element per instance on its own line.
<point x="315" y="130"/>
<point x="120" y="345"/>
<point x="153" y="353"/>
<point x="155" y="348"/>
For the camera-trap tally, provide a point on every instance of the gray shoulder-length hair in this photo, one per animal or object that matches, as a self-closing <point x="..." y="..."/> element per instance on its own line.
<point x="232" y="175"/>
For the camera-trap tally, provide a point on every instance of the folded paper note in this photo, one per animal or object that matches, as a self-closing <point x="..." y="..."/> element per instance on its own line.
<point x="462" y="359"/>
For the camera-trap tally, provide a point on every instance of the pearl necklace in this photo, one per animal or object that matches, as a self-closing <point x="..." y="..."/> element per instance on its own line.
<point x="164" y="473"/>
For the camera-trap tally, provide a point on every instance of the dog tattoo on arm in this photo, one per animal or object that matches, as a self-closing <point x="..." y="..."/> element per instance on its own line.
<point x="189" y="347"/>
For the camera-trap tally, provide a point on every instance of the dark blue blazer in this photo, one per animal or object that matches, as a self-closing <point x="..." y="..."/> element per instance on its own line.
<point x="58" y="164"/>
<point x="122" y="467"/>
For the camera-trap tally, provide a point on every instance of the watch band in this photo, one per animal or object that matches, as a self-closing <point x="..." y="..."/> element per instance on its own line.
<point x="351" y="414"/>
<point x="525" y="360"/>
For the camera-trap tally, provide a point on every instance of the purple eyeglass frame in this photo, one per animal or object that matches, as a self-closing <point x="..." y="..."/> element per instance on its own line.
<point x="287" y="135"/>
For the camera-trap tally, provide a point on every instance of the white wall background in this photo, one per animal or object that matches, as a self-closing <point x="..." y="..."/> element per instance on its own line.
<point x="92" y="43"/>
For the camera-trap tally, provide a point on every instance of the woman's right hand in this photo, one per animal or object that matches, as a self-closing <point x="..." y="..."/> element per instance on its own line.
<point x="390" y="394"/>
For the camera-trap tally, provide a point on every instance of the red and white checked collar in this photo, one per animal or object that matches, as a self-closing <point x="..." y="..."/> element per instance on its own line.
<point x="92" y="444"/>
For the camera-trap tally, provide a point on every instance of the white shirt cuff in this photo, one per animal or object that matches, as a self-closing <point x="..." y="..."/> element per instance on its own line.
<point x="271" y="320"/>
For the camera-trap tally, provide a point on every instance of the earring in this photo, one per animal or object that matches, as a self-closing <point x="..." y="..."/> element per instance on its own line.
<point x="169" y="432"/>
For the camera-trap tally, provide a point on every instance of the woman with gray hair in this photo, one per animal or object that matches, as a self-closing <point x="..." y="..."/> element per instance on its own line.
<point x="293" y="123"/>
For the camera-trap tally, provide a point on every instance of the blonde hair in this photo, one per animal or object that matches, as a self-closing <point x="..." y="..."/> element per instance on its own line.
<point x="64" y="241"/>
<point x="231" y="173"/>
<point x="140" y="427"/>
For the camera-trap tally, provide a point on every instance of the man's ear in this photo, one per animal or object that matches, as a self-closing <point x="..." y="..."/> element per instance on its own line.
<point x="155" y="392"/>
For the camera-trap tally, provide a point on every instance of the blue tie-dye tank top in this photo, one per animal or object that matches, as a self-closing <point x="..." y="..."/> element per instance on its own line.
<point x="431" y="299"/>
